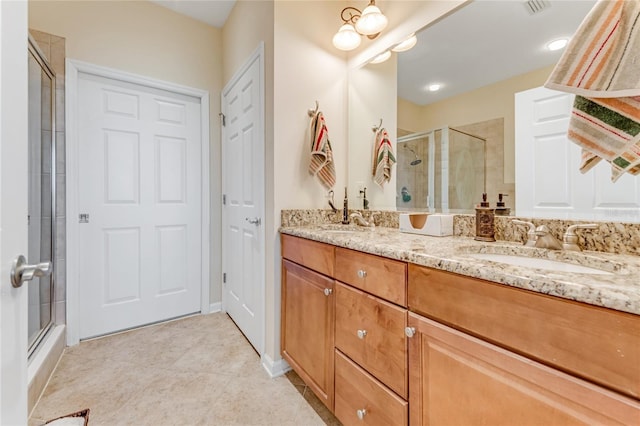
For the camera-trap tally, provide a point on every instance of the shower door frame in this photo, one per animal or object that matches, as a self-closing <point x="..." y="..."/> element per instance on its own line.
<point x="39" y="56"/>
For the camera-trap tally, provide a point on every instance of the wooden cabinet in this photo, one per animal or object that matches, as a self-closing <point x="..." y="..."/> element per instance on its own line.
<point x="457" y="379"/>
<point x="370" y="331"/>
<point x="307" y="327"/>
<point x="363" y="400"/>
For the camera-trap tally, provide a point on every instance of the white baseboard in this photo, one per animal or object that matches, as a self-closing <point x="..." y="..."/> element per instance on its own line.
<point x="274" y="368"/>
<point x="215" y="307"/>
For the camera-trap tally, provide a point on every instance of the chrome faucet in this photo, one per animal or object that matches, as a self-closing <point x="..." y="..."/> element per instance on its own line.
<point x="360" y="220"/>
<point x="570" y="239"/>
<point x="531" y="233"/>
<point x="546" y="240"/>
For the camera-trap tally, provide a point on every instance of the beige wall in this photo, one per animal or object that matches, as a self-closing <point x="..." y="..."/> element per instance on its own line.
<point x="146" y="39"/>
<point x="485" y="103"/>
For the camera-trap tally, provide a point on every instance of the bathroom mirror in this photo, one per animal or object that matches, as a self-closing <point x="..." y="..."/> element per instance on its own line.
<point x="480" y="54"/>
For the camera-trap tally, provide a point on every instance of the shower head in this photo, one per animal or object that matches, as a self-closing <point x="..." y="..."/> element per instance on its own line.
<point x="416" y="160"/>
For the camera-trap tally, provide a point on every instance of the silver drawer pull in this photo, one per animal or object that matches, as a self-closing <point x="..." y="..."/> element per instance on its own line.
<point x="410" y="331"/>
<point x="362" y="334"/>
<point x="362" y="273"/>
<point x="361" y="413"/>
<point x="327" y="291"/>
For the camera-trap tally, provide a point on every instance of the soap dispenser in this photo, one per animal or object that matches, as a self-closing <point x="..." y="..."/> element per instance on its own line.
<point x="501" y="209"/>
<point x="484" y="221"/>
<point x="345" y="208"/>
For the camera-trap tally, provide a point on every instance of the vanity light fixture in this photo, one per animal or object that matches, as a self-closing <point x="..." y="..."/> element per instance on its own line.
<point x="369" y="22"/>
<point x="381" y="57"/>
<point x="557" y="44"/>
<point x="406" y="44"/>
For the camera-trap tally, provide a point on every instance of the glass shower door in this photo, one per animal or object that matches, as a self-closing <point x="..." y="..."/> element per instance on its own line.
<point x="41" y="205"/>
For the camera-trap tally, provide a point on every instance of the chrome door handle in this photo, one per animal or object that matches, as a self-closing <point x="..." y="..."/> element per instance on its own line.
<point x="253" y="220"/>
<point x="21" y="271"/>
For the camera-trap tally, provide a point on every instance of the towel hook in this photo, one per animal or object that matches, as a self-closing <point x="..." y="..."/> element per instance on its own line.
<point x="378" y="127"/>
<point x="313" y="112"/>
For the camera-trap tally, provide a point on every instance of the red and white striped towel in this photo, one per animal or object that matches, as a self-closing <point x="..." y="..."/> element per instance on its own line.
<point x="601" y="65"/>
<point x="383" y="157"/>
<point x="321" y="164"/>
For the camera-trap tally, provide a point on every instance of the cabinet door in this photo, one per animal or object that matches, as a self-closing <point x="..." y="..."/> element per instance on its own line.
<point x="456" y="379"/>
<point x="371" y="332"/>
<point x="307" y="327"/>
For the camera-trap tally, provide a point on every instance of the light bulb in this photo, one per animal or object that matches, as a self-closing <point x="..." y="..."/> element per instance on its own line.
<point x="557" y="44"/>
<point x="346" y="38"/>
<point x="372" y="21"/>
<point x="407" y="44"/>
<point x="434" y="87"/>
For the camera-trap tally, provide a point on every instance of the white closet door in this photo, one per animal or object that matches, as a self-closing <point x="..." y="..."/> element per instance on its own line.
<point x="140" y="194"/>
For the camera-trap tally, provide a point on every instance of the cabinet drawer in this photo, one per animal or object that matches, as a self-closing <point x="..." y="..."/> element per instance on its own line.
<point x="385" y="278"/>
<point x="356" y="390"/>
<point x="371" y="332"/>
<point x="312" y="254"/>
<point x="595" y="343"/>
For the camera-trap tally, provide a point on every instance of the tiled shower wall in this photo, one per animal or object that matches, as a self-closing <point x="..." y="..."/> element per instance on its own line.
<point x="53" y="48"/>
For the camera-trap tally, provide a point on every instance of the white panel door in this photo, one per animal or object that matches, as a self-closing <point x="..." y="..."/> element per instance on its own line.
<point x="548" y="181"/>
<point x="139" y="186"/>
<point x="13" y="210"/>
<point x="243" y="188"/>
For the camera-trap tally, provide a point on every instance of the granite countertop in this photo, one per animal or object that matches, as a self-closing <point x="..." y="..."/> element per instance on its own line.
<point x="619" y="289"/>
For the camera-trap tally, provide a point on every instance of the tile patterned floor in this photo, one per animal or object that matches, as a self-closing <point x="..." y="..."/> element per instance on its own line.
<point x="194" y="371"/>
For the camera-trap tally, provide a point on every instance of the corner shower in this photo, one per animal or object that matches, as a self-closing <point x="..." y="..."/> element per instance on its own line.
<point x="42" y="191"/>
<point x="452" y="176"/>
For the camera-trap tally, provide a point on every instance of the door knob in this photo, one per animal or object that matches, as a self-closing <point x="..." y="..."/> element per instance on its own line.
<point x="253" y="220"/>
<point x="21" y="271"/>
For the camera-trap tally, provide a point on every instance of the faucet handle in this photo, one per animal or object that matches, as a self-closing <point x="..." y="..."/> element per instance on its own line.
<point x="570" y="238"/>
<point x="531" y="232"/>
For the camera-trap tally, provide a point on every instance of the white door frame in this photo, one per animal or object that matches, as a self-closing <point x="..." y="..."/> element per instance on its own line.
<point x="73" y="68"/>
<point x="257" y="55"/>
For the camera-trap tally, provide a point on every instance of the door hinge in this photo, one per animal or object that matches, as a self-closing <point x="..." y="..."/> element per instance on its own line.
<point x="83" y="218"/>
<point x="224" y="278"/>
<point x="223" y="118"/>
<point x="224" y="199"/>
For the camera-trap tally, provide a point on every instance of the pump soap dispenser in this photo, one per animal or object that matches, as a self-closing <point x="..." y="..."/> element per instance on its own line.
<point x="484" y="221"/>
<point x="501" y="208"/>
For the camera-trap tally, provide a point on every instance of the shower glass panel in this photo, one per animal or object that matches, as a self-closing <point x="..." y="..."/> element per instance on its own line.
<point x="467" y="174"/>
<point x="412" y="172"/>
<point x="41" y="204"/>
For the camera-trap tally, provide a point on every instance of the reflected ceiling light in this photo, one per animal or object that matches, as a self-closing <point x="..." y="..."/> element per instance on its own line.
<point x="369" y="22"/>
<point x="434" y="87"/>
<point x="381" y="57"/>
<point x="557" y="44"/>
<point x="407" y="44"/>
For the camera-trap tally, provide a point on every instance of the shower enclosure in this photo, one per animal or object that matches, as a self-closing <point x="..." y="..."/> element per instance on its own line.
<point x="41" y="206"/>
<point x="451" y="175"/>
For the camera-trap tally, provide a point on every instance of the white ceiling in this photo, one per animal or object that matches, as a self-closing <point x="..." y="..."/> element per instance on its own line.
<point x="482" y="43"/>
<point x="212" y="12"/>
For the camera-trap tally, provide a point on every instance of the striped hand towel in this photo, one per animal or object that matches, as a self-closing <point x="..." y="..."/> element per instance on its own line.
<point x="321" y="164"/>
<point x="602" y="67"/>
<point x="383" y="157"/>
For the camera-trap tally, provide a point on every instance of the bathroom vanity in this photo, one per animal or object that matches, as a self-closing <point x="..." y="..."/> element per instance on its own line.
<point x="390" y="328"/>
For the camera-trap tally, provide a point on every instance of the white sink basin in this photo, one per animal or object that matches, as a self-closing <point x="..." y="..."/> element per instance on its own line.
<point x="534" y="262"/>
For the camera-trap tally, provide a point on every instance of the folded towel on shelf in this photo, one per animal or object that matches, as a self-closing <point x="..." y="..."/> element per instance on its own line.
<point x="321" y="164"/>
<point x="601" y="66"/>
<point x="383" y="157"/>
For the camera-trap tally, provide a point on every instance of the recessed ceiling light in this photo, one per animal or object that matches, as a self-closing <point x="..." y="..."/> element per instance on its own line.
<point x="557" y="44"/>
<point x="434" y="87"/>
<point x="381" y="57"/>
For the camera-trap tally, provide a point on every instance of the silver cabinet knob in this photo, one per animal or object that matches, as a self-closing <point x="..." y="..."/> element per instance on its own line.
<point x="361" y="334"/>
<point x="327" y="291"/>
<point x="21" y="271"/>
<point x="361" y="413"/>
<point x="410" y="331"/>
<point x="253" y="220"/>
<point x="362" y="273"/>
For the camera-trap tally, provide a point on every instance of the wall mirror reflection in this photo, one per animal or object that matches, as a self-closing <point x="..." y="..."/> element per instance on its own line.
<point x="478" y="56"/>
